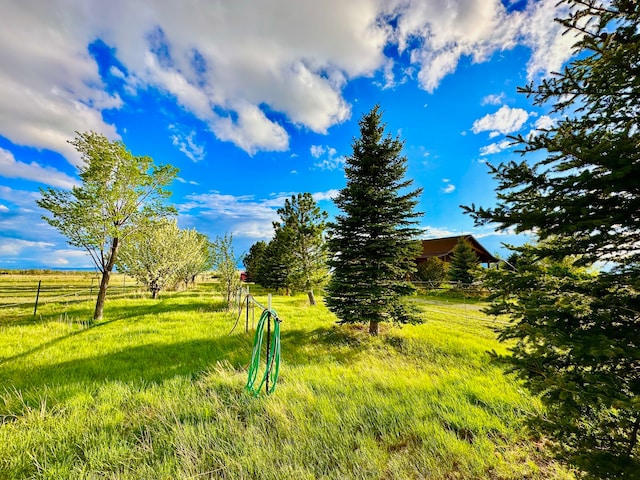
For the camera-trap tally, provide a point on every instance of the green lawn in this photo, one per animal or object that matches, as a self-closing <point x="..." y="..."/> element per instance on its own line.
<point x="156" y="391"/>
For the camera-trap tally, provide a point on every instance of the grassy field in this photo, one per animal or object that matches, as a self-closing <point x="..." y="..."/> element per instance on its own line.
<point x="156" y="391"/>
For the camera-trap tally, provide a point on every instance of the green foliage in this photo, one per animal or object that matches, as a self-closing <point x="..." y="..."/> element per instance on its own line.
<point x="578" y="335"/>
<point x="301" y="231"/>
<point x="372" y="243"/>
<point x="160" y="255"/>
<point x="157" y="392"/>
<point x="253" y="260"/>
<point x="225" y="264"/>
<point x="464" y="262"/>
<point x="273" y="269"/>
<point x="118" y="192"/>
<point x="195" y="256"/>
<point x="432" y="270"/>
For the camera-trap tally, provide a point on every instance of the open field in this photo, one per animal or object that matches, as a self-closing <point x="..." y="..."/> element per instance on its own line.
<point x="156" y="391"/>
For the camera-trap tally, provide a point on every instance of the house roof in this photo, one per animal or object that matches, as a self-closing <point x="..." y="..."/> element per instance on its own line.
<point x="443" y="248"/>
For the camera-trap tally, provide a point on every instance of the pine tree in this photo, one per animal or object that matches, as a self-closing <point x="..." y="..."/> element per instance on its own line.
<point x="252" y="261"/>
<point x="373" y="242"/>
<point x="463" y="262"/>
<point x="577" y="336"/>
<point x="301" y="229"/>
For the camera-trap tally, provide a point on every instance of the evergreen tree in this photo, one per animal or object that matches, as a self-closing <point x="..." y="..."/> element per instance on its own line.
<point x="273" y="270"/>
<point x="463" y="263"/>
<point x="252" y="261"/>
<point x="301" y="228"/>
<point x="373" y="242"/>
<point x="577" y="336"/>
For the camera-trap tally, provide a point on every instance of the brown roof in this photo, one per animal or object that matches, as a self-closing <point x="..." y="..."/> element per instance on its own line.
<point x="443" y="248"/>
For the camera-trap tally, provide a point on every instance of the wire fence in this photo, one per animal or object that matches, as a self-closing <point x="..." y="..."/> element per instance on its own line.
<point x="33" y="293"/>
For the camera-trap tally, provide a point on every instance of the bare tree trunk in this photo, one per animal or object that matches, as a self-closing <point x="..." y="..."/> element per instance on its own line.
<point x="104" y="282"/>
<point x="373" y="328"/>
<point x="102" y="295"/>
<point x="312" y="298"/>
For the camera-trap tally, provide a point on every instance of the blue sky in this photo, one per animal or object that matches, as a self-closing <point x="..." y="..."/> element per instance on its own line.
<point x="255" y="101"/>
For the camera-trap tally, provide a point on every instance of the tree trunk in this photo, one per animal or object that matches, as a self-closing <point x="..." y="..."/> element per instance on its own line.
<point x="104" y="282"/>
<point x="373" y="328"/>
<point x="102" y="295"/>
<point x="312" y="298"/>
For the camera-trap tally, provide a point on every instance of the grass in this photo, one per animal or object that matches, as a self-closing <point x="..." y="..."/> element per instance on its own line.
<point x="156" y="390"/>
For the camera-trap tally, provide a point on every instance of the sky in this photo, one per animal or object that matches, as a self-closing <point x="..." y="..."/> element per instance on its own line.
<point x="254" y="101"/>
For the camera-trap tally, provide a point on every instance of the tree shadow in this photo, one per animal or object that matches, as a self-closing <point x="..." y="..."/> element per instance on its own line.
<point x="146" y="363"/>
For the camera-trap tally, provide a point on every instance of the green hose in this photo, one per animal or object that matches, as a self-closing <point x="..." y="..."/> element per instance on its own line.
<point x="273" y="360"/>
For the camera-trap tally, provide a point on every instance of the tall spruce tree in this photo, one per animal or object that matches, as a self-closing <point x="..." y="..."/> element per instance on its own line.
<point x="577" y="336"/>
<point x="463" y="262"/>
<point x="373" y="242"/>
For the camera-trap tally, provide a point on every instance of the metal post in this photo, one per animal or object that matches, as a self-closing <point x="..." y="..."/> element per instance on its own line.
<point x="268" y="340"/>
<point x="246" y="322"/>
<point x="268" y="347"/>
<point x="35" y="309"/>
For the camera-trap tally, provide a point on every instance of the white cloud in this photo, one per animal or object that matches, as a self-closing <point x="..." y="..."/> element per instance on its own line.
<point x="3" y="208"/>
<point x="16" y="246"/>
<point x="493" y="99"/>
<point x="11" y="168"/>
<point x="506" y="120"/>
<point x="317" y="151"/>
<point x="49" y="84"/>
<point x="437" y="232"/>
<point x="230" y="64"/>
<point x="328" y="195"/>
<point x="330" y="160"/>
<point x="551" y="48"/>
<point x="187" y="144"/>
<point x="545" y="122"/>
<point x="449" y="187"/>
<point x="241" y="215"/>
<point x="495" y="148"/>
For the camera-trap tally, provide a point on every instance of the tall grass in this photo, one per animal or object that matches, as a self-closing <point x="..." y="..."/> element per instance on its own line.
<point x="155" y="391"/>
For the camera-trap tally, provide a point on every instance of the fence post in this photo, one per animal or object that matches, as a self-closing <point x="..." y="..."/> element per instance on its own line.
<point x="35" y="308"/>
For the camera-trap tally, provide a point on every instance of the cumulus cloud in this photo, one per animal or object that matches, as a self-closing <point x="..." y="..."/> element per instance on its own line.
<point x="550" y="48"/>
<point x="545" y="122"/>
<point x="506" y="120"/>
<point x="231" y="64"/>
<point x="495" y="148"/>
<point x="11" y="168"/>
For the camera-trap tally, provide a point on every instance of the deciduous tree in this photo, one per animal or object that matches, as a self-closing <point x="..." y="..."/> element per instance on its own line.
<point x="118" y="191"/>
<point x="373" y="242"/>
<point x="225" y="263"/>
<point x="153" y="255"/>
<point x="577" y="336"/>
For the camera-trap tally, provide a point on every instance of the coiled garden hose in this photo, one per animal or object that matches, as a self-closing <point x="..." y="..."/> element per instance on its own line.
<point x="272" y="369"/>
